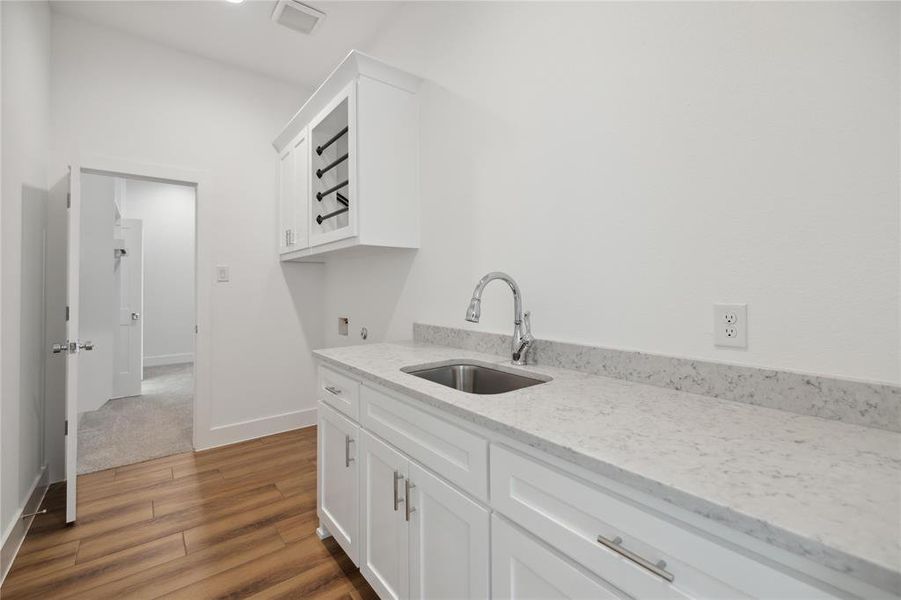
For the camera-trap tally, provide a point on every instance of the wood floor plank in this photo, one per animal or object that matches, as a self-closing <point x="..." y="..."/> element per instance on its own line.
<point x="184" y="571"/>
<point x="297" y="484"/>
<point x="215" y="532"/>
<point x="333" y="576"/>
<point x="153" y="528"/>
<point x="85" y="576"/>
<point x="159" y="492"/>
<point x="42" y="562"/>
<point x="300" y="526"/>
<point x="211" y="490"/>
<point x="105" y="489"/>
<point x="233" y="521"/>
<point x="254" y="576"/>
<point x="253" y="455"/>
<point x="51" y="530"/>
<point x="287" y="464"/>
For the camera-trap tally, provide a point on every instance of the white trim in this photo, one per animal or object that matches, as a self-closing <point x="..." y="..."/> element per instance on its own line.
<point x="15" y="531"/>
<point x="168" y="359"/>
<point x="222" y="435"/>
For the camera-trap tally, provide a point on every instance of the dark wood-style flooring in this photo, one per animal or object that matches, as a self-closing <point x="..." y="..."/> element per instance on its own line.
<point x="232" y="522"/>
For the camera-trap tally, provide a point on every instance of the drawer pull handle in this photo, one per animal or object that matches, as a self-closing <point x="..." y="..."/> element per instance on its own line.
<point x="409" y="509"/>
<point x="658" y="569"/>
<point x="347" y="442"/>
<point x="333" y="390"/>
<point x="397" y="499"/>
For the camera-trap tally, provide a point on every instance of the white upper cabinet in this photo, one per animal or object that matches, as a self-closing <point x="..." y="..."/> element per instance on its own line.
<point x="349" y="164"/>
<point x="294" y="194"/>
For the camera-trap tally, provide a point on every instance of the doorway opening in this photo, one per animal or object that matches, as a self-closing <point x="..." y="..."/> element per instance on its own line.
<point x="137" y="306"/>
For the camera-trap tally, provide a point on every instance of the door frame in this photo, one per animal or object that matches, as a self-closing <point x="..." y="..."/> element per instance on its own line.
<point x="203" y="265"/>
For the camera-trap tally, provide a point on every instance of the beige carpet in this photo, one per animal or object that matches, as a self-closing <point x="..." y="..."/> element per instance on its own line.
<point x="124" y="431"/>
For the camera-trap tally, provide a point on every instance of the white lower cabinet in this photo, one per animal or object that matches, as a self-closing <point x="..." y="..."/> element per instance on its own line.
<point x="449" y="541"/>
<point x="385" y="539"/>
<point x="338" y="479"/>
<point x="422" y="538"/>
<point x="523" y="568"/>
<point x="411" y="507"/>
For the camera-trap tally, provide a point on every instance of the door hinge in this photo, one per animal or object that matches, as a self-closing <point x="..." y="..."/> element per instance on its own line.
<point x="195" y="329"/>
<point x="67" y="313"/>
<point x="68" y="199"/>
<point x="67" y="426"/>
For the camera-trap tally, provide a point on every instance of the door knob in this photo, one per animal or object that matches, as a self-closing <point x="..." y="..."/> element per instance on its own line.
<point x="135" y="316"/>
<point x="86" y="346"/>
<point x="57" y="348"/>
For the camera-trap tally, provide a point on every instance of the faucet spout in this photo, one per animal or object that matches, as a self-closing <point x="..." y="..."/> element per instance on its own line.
<point x="522" y="335"/>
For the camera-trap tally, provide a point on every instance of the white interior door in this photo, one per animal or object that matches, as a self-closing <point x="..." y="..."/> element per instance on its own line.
<point x="128" y="355"/>
<point x="72" y="346"/>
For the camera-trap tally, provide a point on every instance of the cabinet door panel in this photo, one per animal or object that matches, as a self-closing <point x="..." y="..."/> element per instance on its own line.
<point x="333" y="170"/>
<point x="384" y="539"/>
<point x="286" y="209"/>
<point x="449" y="541"/>
<point x="300" y="191"/>
<point x="523" y="568"/>
<point x="338" y="478"/>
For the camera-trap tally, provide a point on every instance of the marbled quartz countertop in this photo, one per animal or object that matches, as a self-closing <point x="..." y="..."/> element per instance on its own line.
<point x="826" y="490"/>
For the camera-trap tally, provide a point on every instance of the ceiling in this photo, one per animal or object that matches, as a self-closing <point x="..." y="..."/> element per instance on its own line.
<point x="243" y="35"/>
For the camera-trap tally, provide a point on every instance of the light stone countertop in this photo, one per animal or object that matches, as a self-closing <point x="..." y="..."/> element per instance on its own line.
<point x="822" y="489"/>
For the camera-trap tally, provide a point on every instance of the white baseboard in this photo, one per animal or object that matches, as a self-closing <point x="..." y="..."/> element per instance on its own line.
<point x="15" y="531"/>
<point x="161" y="360"/>
<point x="255" y="428"/>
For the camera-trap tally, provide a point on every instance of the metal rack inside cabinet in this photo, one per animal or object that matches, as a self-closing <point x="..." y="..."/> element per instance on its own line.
<point x="331" y="176"/>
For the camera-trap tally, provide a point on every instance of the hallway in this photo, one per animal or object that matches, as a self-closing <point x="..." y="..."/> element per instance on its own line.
<point x="157" y="423"/>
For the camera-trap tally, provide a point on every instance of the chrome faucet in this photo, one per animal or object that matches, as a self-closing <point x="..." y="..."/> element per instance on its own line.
<point x="522" y="323"/>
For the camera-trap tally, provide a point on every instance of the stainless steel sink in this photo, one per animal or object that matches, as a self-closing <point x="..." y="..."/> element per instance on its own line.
<point x="473" y="378"/>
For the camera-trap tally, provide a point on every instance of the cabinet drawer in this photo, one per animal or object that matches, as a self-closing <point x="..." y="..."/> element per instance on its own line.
<point x="570" y="514"/>
<point x="454" y="453"/>
<point x="339" y="391"/>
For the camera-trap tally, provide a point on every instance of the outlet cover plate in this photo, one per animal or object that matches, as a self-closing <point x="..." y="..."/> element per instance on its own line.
<point x="730" y="325"/>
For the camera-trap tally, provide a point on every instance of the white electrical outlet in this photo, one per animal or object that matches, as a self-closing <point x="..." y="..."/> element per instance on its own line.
<point x="730" y="325"/>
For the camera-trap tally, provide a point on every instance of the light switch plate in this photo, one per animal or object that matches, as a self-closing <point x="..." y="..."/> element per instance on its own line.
<point x="222" y="273"/>
<point x="730" y="325"/>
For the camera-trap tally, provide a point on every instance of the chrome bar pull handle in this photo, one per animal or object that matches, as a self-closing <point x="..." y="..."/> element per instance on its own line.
<point x="397" y="499"/>
<point x="347" y="442"/>
<point x="333" y="390"/>
<point x="409" y="509"/>
<point x="658" y="568"/>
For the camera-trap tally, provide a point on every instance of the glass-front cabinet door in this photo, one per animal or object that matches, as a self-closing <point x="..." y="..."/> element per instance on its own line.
<point x="333" y="214"/>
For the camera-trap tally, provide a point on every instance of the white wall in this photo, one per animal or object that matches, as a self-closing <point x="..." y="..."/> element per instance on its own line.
<point x="97" y="292"/>
<point x="118" y="96"/>
<point x="633" y="163"/>
<point x="25" y="141"/>
<point x="167" y="213"/>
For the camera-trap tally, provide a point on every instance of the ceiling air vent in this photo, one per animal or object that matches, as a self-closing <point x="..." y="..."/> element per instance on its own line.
<point x="297" y="16"/>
